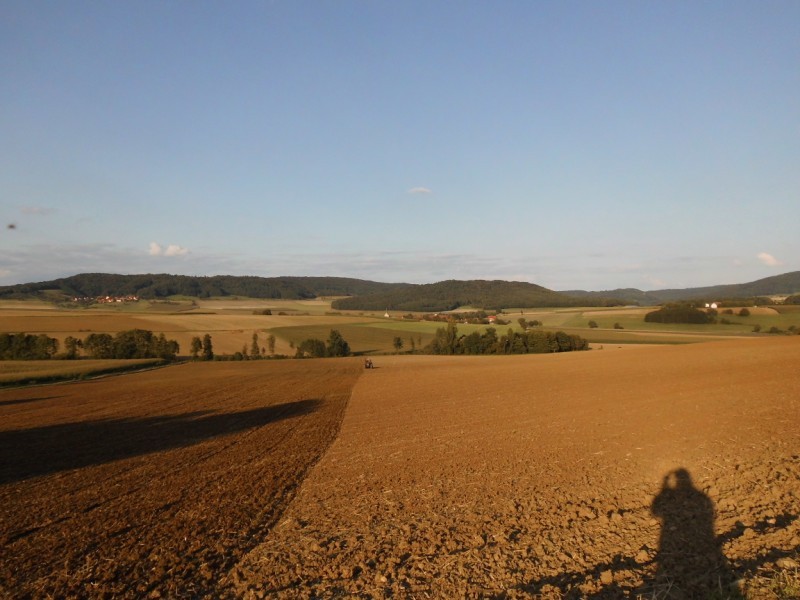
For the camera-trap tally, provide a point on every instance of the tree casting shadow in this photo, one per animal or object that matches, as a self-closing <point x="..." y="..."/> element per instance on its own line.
<point x="53" y="448"/>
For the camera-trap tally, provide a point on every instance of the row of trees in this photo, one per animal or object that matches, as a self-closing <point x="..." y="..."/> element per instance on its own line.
<point x="23" y="346"/>
<point x="532" y="341"/>
<point x="203" y="349"/>
<point x="133" y="343"/>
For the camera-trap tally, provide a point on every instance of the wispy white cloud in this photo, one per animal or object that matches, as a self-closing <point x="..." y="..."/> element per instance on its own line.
<point x="157" y="249"/>
<point x="175" y="250"/>
<point x="419" y="190"/>
<point x="37" y="210"/>
<point x="769" y="260"/>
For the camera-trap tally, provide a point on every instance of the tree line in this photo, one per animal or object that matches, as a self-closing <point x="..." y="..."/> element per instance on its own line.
<point x="22" y="346"/>
<point x="203" y="349"/>
<point x="533" y="341"/>
<point x="133" y="343"/>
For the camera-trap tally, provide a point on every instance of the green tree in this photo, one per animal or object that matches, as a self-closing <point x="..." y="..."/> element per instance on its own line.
<point x="311" y="348"/>
<point x="255" y="350"/>
<point x="593" y="324"/>
<point x="397" y="343"/>
<point x="99" y="345"/>
<point x="522" y="322"/>
<point x="208" y="348"/>
<point x="164" y="348"/>
<point x="271" y="343"/>
<point x="337" y="346"/>
<point x="134" y="343"/>
<point x="71" y="346"/>
<point x="744" y="312"/>
<point x="195" y="347"/>
<point x="445" y="341"/>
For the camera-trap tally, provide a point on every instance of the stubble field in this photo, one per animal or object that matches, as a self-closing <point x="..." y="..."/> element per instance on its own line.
<point x="660" y="472"/>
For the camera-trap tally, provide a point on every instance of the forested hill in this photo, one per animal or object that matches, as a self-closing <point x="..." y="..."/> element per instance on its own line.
<point x="372" y="295"/>
<point x="163" y="285"/>
<point x="777" y="285"/>
<point x="785" y="284"/>
<point x="449" y="295"/>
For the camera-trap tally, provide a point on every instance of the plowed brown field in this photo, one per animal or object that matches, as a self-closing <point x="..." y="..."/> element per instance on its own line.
<point x="662" y="471"/>
<point x="600" y="474"/>
<point x="155" y="484"/>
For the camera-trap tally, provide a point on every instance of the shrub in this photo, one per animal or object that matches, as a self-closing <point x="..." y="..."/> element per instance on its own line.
<point x="744" y="312"/>
<point x="618" y="326"/>
<point x="756" y="328"/>
<point x="593" y="324"/>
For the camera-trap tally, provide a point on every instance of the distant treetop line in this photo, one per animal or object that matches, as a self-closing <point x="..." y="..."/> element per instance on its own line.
<point x="371" y="295"/>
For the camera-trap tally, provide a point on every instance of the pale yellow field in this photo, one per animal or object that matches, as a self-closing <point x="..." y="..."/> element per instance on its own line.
<point x="230" y="323"/>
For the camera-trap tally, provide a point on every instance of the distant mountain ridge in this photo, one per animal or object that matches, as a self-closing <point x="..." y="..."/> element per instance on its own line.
<point x="777" y="285"/>
<point x="371" y="295"/>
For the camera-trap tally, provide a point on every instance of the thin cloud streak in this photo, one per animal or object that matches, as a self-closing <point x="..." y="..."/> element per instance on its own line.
<point x="37" y="210"/>
<point x="420" y="190"/>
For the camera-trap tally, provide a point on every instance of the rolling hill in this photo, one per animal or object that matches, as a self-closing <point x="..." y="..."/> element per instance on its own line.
<point x="371" y="295"/>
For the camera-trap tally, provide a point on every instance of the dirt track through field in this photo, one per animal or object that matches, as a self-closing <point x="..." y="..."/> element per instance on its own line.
<point x="155" y="484"/>
<point x="598" y="474"/>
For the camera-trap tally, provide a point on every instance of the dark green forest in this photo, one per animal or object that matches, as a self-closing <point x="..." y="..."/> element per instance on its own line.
<point x="162" y="285"/>
<point x="452" y="294"/>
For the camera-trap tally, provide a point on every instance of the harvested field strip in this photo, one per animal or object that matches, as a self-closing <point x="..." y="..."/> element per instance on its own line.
<point x="157" y="483"/>
<point x="595" y="474"/>
<point x="23" y="372"/>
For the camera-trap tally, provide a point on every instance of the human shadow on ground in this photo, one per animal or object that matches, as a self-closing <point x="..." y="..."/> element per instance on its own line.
<point x="689" y="562"/>
<point x="53" y="448"/>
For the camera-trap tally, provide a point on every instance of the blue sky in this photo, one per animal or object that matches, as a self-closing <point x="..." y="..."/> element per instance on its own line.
<point x="587" y="145"/>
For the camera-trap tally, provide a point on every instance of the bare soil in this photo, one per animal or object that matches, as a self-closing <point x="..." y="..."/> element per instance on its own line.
<point x="668" y="472"/>
<point x="155" y="484"/>
<point x="661" y="472"/>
